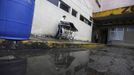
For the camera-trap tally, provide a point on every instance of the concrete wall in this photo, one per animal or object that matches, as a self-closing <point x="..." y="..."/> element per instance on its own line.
<point x="110" y="4"/>
<point x="47" y="17"/>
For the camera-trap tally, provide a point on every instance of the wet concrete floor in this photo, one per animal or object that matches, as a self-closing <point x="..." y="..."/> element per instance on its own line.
<point x="73" y="61"/>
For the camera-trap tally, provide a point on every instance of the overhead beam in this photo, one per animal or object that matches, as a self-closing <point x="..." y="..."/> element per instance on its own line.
<point x="118" y="11"/>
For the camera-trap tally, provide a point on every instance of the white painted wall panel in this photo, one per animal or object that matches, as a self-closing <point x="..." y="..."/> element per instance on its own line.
<point x="47" y="17"/>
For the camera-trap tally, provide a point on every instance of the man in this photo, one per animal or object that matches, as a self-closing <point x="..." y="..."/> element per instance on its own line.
<point x="59" y="33"/>
<point x="63" y="18"/>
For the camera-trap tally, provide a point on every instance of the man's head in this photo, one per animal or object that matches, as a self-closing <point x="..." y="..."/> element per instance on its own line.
<point x="64" y="16"/>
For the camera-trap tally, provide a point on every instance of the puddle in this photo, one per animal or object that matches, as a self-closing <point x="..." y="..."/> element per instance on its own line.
<point x="59" y="63"/>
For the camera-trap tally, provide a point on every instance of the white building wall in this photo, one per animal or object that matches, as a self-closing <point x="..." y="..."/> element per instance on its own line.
<point x="47" y="17"/>
<point x="110" y="4"/>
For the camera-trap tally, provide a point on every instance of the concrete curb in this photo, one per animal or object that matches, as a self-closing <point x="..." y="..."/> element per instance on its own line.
<point x="57" y="44"/>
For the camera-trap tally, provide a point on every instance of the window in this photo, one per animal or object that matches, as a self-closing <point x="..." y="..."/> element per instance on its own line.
<point x="64" y="6"/>
<point x="74" y="13"/>
<point x="116" y="33"/>
<point x="130" y="29"/>
<point x="55" y="2"/>
<point x="82" y="18"/>
<point x="87" y="21"/>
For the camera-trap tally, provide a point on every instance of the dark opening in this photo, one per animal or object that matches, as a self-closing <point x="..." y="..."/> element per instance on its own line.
<point x="74" y="12"/>
<point x="64" y="6"/>
<point x="55" y="2"/>
<point x="91" y="18"/>
<point x="82" y="18"/>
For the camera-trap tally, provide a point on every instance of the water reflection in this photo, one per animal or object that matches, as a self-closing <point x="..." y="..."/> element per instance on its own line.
<point x="59" y="62"/>
<point x="70" y="63"/>
<point x="63" y="59"/>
